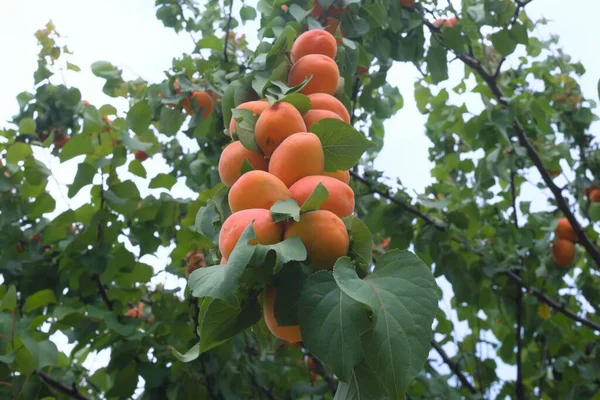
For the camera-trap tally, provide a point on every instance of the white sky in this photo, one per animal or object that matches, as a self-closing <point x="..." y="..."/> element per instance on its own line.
<point x="128" y="34"/>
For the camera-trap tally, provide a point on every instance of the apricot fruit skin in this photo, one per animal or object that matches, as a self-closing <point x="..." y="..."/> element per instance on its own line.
<point x="316" y="41"/>
<point x="314" y="116"/>
<point x="595" y="196"/>
<point x="256" y="189"/>
<point x="564" y="230"/>
<point x="324" y="71"/>
<point x="324" y="235"/>
<point x="340" y="200"/>
<point x="256" y="106"/>
<point x="343" y="176"/>
<point x="407" y="3"/>
<point x="275" y="124"/>
<point x="202" y="100"/>
<point x="267" y="231"/>
<point x="232" y="158"/>
<point x="298" y="156"/>
<point x="563" y="252"/>
<point x="324" y="101"/>
<point x="290" y="334"/>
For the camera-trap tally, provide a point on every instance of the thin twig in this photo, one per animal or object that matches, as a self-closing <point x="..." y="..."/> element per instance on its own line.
<point x="520" y="394"/>
<point x="322" y="372"/>
<point x="102" y="290"/>
<point x="454" y="367"/>
<point x="72" y="392"/>
<point x="227" y="29"/>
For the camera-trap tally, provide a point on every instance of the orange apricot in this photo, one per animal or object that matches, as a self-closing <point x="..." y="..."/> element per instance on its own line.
<point x="288" y="333"/>
<point x="340" y="200"/>
<point x="343" y="176"/>
<point x="595" y="196"/>
<point x="196" y="101"/>
<point x="275" y="124"/>
<point x="407" y="3"/>
<point x="563" y="252"/>
<point x="267" y="231"/>
<point x="257" y="189"/>
<point x="141" y="155"/>
<point x="564" y="230"/>
<point x="324" y="71"/>
<point x="324" y="235"/>
<point x="324" y="101"/>
<point x="256" y="106"/>
<point x="232" y="158"/>
<point x="317" y="41"/>
<point x="314" y="116"/>
<point x="298" y="156"/>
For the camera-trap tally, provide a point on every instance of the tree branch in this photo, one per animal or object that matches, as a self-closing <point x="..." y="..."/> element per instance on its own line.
<point x="322" y="372"/>
<point x="102" y="290"/>
<point x="227" y="29"/>
<point x="454" y="367"/>
<point x="520" y="394"/>
<point x="72" y="392"/>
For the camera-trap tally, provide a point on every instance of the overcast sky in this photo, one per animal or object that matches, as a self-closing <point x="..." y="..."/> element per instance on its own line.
<point x="128" y="34"/>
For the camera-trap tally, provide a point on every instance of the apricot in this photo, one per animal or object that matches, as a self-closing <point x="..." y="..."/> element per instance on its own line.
<point x="407" y="3"/>
<point x="257" y="189"/>
<point x="267" y="231"/>
<point x="275" y="124"/>
<point x="256" y="106"/>
<point x="324" y="235"/>
<point x="324" y="101"/>
<point x="317" y="41"/>
<point x="340" y="200"/>
<point x="223" y="261"/>
<point x="141" y="155"/>
<point x="343" y="176"/>
<point x="564" y="230"/>
<point x="287" y="333"/>
<point x="442" y="22"/>
<point x="232" y="158"/>
<point x="595" y="196"/>
<point x="324" y="71"/>
<point x="196" y="101"/>
<point x="563" y="252"/>
<point x="314" y="116"/>
<point x="298" y="156"/>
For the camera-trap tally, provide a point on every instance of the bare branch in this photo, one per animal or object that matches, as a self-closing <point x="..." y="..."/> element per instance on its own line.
<point x="72" y="392"/>
<point x="227" y="29"/>
<point x="454" y="367"/>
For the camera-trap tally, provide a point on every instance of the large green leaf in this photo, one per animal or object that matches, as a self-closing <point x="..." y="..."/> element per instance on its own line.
<point x="39" y="299"/>
<point x="76" y="146"/>
<point x="342" y="144"/>
<point x="332" y="323"/>
<point x="401" y="293"/>
<point x="139" y="117"/>
<point x="361" y="240"/>
<point x="364" y="384"/>
<point x="284" y="210"/>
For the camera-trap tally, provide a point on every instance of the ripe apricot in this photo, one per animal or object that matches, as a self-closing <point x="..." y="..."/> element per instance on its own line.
<point x="314" y="116"/>
<point x="595" y="196"/>
<point x="563" y="252"/>
<point x="324" y="71"/>
<point x="267" y="231"/>
<point x="340" y="200"/>
<point x="256" y="106"/>
<point x="343" y="176"/>
<point x="317" y="41"/>
<point x="297" y="156"/>
<point x="287" y="333"/>
<point x="407" y="3"/>
<point x="196" y="101"/>
<point x="564" y="230"/>
<point x="257" y="189"/>
<point x="324" y="101"/>
<point x="232" y="158"/>
<point x="449" y="22"/>
<point x="141" y="155"/>
<point x="324" y="235"/>
<point x="275" y="124"/>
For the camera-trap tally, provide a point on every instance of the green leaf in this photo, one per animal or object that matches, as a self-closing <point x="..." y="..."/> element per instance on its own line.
<point x="92" y="120"/>
<point x="332" y="323"/>
<point x="9" y="300"/>
<point x="84" y="176"/>
<point x="133" y="144"/>
<point x="361" y="240"/>
<point x="503" y="42"/>
<point x="288" y="284"/>
<point x="247" y="13"/>
<point x="44" y="353"/>
<point x="594" y="212"/>
<point x="284" y="210"/>
<point x="139" y="117"/>
<point x="316" y="198"/>
<point x="192" y="354"/>
<point x="342" y="144"/>
<point x="76" y="146"/>
<point x="125" y="382"/>
<point x="437" y="62"/>
<point x="104" y="69"/>
<point x="364" y="384"/>
<point x="283" y="43"/>
<point x="402" y="295"/>
<point x="27" y="126"/>
<point x="246" y="123"/>
<point x="39" y="299"/>
<point x="291" y="249"/>
<point x="43" y="204"/>
<point x="300" y="101"/>
<point x="220" y="282"/>
<point x="246" y="167"/>
<point x="519" y="33"/>
<point x="298" y="12"/>
<point x="209" y="42"/>
<point x="137" y="168"/>
<point x="170" y="120"/>
<point x="162" y="181"/>
<point x="354" y="26"/>
<point x="17" y="151"/>
<point x="220" y="321"/>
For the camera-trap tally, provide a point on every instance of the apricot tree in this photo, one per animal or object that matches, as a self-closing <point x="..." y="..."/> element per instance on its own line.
<point x="304" y="272"/>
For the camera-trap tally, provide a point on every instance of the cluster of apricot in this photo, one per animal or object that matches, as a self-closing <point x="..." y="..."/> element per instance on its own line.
<point x="563" y="248"/>
<point x="290" y="165"/>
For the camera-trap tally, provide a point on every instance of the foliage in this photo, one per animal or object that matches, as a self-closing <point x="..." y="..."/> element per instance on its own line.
<point x="81" y="272"/>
